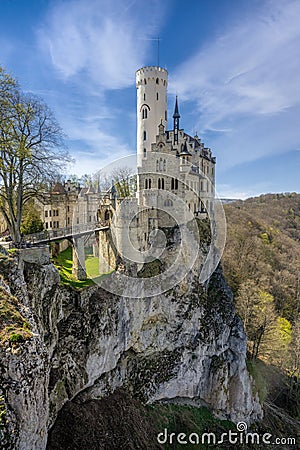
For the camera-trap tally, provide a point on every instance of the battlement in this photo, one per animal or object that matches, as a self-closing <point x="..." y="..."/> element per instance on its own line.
<point x="151" y="69"/>
<point x="151" y="73"/>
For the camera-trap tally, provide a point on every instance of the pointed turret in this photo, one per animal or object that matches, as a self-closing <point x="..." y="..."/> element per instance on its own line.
<point x="176" y="117"/>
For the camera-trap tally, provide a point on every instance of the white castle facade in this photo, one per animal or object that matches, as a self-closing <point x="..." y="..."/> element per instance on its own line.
<point x="175" y="171"/>
<point x="191" y="165"/>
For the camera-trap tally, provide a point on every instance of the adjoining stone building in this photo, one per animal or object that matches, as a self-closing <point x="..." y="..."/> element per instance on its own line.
<point x="58" y="205"/>
<point x="67" y="205"/>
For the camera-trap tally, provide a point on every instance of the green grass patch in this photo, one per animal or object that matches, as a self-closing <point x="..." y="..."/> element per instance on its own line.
<point x="187" y="419"/>
<point x="64" y="263"/>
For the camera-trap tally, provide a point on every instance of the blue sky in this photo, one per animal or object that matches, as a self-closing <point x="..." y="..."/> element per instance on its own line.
<point x="235" y="65"/>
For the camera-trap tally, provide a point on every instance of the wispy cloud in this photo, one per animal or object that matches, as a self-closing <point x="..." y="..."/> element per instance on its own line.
<point x="103" y="41"/>
<point x="93" y="49"/>
<point x="251" y="69"/>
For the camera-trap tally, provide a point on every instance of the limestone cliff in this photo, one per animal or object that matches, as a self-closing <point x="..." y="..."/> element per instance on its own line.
<point x="186" y="345"/>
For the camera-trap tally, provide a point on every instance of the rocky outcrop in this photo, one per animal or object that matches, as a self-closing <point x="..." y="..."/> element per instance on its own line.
<point x="186" y="345"/>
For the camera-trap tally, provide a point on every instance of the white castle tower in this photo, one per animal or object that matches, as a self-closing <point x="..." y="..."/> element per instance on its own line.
<point x="151" y="84"/>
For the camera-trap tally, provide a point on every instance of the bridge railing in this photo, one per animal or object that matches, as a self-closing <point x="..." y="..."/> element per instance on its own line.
<point x="50" y="235"/>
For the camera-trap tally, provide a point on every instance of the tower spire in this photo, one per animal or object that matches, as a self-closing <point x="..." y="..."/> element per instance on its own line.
<point x="176" y="117"/>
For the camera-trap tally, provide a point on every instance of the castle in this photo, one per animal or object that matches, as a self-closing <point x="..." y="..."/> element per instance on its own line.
<point x="169" y="160"/>
<point x="175" y="184"/>
<point x="175" y="175"/>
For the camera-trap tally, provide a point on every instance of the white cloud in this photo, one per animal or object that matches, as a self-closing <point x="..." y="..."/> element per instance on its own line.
<point x="245" y="84"/>
<point x="93" y="47"/>
<point x="253" y="68"/>
<point x="102" y="40"/>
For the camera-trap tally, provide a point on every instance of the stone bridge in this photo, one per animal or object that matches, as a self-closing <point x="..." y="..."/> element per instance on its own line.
<point x="76" y="235"/>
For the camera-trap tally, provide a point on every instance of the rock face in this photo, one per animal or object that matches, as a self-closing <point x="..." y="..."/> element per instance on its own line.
<point x="186" y="345"/>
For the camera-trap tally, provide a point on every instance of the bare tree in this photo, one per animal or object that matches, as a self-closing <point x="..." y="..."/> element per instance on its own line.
<point x="31" y="150"/>
<point x="124" y="181"/>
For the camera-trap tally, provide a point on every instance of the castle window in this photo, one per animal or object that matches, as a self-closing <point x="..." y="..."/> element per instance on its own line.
<point x="157" y="81"/>
<point x="156" y="95"/>
<point x="149" y="183"/>
<point x="68" y="208"/>
<point x="166" y="115"/>
<point x="174" y="183"/>
<point x="145" y="135"/>
<point x="146" y="183"/>
<point x="68" y="221"/>
<point x="157" y="165"/>
<point x="164" y="166"/>
<point x="145" y="81"/>
<point x="160" y="164"/>
<point x="144" y="97"/>
<point x="47" y="225"/>
<point x="50" y="214"/>
<point x="168" y="202"/>
<point x="46" y="213"/>
<point x="161" y="183"/>
<point x="144" y="113"/>
<point x="145" y="153"/>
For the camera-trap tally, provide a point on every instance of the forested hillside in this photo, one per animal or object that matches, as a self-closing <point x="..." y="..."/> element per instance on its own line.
<point x="261" y="262"/>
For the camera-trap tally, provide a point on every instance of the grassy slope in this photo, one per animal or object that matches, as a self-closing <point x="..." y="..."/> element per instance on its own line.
<point x="122" y="422"/>
<point x="64" y="262"/>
